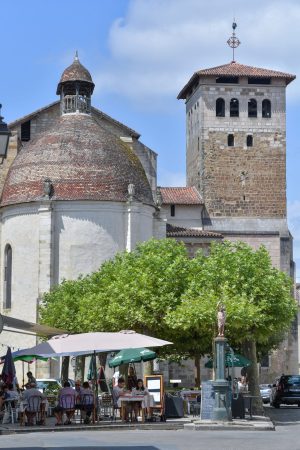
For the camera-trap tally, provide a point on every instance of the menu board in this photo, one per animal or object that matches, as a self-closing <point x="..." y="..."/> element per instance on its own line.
<point x="207" y="400"/>
<point x="154" y="384"/>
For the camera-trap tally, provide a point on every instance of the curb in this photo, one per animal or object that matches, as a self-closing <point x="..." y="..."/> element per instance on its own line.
<point x="258" y="426"/>
<point x="104" y="427"/>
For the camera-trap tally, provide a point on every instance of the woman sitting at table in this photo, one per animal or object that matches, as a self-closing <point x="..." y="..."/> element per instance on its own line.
<point x="132" y="379"/>
<point x="142" y="390"/>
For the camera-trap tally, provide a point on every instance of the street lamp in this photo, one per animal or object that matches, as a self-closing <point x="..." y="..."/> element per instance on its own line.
<point x="4" y="137"/>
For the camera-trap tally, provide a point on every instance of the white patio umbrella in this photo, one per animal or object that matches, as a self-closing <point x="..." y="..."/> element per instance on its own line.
<point x="87" y="343"/>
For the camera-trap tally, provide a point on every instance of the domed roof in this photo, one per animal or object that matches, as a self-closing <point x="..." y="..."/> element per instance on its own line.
<point x="82" y="160"/>
<point x="75" y="72"/>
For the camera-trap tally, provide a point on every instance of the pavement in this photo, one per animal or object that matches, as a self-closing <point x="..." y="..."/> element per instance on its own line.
<point x="286" y="437"/>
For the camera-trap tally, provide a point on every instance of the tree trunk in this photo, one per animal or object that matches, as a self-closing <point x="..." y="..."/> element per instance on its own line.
<point x="198" y="374"/>
<point x="249" y="350"/>
<point x="65" y="369"/>
<point x="80" y="366"/>
<point x="148" y="368"/>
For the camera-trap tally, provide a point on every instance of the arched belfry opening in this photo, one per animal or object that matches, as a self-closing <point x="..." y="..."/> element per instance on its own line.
<point x="75" y="89"/>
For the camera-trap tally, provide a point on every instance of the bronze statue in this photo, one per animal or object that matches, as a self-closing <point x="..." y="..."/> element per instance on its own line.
<point x="221" y="319"/>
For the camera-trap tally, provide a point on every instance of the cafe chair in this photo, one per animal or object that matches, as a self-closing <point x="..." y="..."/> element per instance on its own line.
<point x="67" y="402"/>
<point x="33" y="410"/>
<point x="87" y="407"/>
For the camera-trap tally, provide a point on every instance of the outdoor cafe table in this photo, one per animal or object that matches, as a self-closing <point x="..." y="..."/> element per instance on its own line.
<point x="128" y="398"/>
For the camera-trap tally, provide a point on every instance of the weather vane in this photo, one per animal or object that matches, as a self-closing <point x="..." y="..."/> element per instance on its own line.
<point x="233" y="41"/>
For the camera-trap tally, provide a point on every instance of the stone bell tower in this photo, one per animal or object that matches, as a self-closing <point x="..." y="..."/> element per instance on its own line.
<point x="236" y="157"/>
<point x="236" y="147"/>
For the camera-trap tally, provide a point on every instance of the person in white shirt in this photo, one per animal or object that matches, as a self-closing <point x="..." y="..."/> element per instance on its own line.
<point x="117" y="391"/>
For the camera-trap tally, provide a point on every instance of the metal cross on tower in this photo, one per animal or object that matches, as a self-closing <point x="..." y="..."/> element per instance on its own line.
<point x="233" y="41"/>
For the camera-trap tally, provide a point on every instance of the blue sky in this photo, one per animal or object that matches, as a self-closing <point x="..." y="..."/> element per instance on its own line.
<point x="140" y="53"/>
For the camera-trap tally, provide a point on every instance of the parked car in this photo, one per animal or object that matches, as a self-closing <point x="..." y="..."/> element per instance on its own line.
<point x="72" y="382"/>
<point x="286" y="391"/>
<point x="265" y="392"/>
<point x="48" y="385"/>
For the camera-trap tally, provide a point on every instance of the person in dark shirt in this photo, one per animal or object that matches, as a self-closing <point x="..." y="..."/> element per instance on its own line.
<point x="132" y="379"/>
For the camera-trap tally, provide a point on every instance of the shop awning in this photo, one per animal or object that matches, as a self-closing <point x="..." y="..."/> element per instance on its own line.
<point x="14" y="325"/>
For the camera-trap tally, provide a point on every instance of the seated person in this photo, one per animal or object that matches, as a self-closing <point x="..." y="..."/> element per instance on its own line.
<point x="30" y="407"/>
<point x="117" y="391"/>
<point x="142" y="390"/>
<point x="86" y="401"/>
<point x="66" y="403"/>
<point x="132" y="379"/>
<point x="31" y="379"/>
<point x="3" y="395"/>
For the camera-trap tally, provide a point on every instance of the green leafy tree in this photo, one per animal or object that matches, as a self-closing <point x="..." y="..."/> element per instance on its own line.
<point x="135" y="290"/>
<point x="158" y="290"/>
<point x="257" y="297"/>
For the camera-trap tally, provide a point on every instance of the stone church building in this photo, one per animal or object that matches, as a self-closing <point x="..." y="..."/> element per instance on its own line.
<point x="79" y="186"/>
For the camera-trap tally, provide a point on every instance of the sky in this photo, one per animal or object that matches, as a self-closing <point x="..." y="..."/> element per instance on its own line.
<point x="140" y="54"/>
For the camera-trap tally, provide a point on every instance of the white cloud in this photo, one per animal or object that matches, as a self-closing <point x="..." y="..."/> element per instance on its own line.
<point x="158" y="45"/>
<point x="167" y="178"/>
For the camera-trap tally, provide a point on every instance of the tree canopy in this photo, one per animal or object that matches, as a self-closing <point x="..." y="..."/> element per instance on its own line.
<point x="158" y="290"/>
<point x="256" y="295"/>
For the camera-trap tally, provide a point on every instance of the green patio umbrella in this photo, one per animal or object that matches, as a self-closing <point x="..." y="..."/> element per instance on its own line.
<point x="29" y="358"/>
<point x="132" y="355"/>
<point x="238" y="361"/>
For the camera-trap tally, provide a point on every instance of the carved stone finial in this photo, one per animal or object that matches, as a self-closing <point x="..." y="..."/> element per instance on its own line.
<point x="76" y="56"/>
<point x="131" y="192"/>
<point x="158" y="197"/>
<point x="48" y="188"/>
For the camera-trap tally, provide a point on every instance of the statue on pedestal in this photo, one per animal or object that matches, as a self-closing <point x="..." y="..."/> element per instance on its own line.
<point x="221" y="316"/>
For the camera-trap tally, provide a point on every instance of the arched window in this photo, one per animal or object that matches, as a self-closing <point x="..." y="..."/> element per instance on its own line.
<point x="234" y="107"/>
<point x="252" y="107"/>
<point x="249" y="140"/>
<point x="266" y="108"/>
<point x="220" y="107"/>
<point x="230" y="140"/>
<point x="7" y="276"/>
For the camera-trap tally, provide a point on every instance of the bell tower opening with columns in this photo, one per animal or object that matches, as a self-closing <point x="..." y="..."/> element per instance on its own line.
<point x="236" y="158"/>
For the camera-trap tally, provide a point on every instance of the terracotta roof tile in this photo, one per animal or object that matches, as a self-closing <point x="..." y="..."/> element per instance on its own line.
<point x="75" y="72"/>
<point x="175" y="231"/>
<point x="235" y="69"/>
<point x="83" y="160"/>
<point x="180" y="196"/>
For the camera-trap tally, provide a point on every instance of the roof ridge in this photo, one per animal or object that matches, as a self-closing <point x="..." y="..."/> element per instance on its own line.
<point x="43" y="108"/>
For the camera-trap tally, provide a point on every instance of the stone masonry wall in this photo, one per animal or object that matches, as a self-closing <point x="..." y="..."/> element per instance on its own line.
<point x="237" y="181"/>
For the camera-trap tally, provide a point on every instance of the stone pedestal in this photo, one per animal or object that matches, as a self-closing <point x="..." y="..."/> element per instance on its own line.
<point x="222" y="410"/>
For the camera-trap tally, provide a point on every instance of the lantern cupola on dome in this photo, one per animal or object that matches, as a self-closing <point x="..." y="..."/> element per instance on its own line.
<point x="75" y="89"/>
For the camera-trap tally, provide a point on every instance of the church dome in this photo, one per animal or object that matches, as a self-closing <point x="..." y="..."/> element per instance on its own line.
<point x="76" y="160"/>
<point x="75" y="72"/>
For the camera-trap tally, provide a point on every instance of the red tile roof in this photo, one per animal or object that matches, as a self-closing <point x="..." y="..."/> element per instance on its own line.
<point x="175" y="231"/>
<point x="83" y="160"/>
<point x="235" y="69"/>
<point x="180" y="196"/>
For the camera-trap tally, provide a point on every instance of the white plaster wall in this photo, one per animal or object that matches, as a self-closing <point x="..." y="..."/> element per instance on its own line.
<point x="81" y="237"/>
<point x="185" y="215"/>
<point x="19" y="228"/>
<point x="88" y="233"/>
